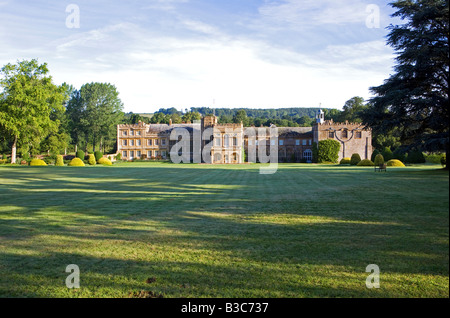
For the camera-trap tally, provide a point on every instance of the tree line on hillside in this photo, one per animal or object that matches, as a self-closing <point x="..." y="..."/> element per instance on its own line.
<point x="409" y="112"/>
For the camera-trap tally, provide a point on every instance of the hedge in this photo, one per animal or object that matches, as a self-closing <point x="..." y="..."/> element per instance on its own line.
<point x="37" y="162"/>
<point x="395" y="163"/>
<point x="76" y="162"/>
<point x="345" y="161"/>
<point x="366" y="163"/>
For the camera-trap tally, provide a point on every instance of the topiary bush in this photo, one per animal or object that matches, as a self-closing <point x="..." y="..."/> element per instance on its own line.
<point x="37" y="162"/>
<point x="59" y="161"/>
<point x="76" y="162"/>
<point x="98" y="155"/>
<point x="105" y="162"/>
<point x="379" y="160"/>
<point x="355" y="159"/>
<point x="387" y="154"/>
<point x="345" y="161"/>
<point x="394" y="163"/>
<point x="91" y="160"/>
<point x="80" y="154"/>
<point x="366" y="163"/>
<point x="374" y="154"/>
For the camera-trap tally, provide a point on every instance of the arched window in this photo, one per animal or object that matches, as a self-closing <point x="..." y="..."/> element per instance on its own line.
<point x="307" y="155"/>
<point x="345" y="134"/>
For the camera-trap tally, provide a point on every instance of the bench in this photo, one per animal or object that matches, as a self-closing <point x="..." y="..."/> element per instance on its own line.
<point x="380" y="168"/>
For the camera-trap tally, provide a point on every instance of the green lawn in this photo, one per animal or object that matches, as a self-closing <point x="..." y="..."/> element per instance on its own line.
<point x="224" y="231"/>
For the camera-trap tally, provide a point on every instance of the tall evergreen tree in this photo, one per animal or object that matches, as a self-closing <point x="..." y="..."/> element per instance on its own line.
<point x="415" y="98"/>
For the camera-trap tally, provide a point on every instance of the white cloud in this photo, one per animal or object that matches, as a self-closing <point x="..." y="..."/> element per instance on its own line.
<point x="193" y="62"/>
<point x="307" y="13"/>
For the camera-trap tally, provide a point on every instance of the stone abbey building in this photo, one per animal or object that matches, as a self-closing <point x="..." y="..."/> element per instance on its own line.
<point x="232" y="143"/>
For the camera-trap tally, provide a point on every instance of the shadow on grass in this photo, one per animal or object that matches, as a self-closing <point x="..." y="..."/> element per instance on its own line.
<point x="297" y="233"/>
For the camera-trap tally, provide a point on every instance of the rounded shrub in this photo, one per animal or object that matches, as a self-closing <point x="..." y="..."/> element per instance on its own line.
<point x="395" y="163"/>
<point x="379" y="160"/>
<point x="76" y="162"/>
<point x="80" y="154"/>
<point x="59" y="161"/>
<point x="98" y="155"/>
<point x="366" y="163"/>
<point x="91" y="160"/>
<point x="105" y="162"/>
<point x="355" y="159"/>
<point x="37" y="162"/>
<point x="345" y="161"/>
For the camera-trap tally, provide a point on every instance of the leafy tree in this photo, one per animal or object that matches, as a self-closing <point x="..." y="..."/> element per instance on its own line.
<point x="415" y="98"/>
<point x="27" y="99"/>
<point x="99" y="110"/>
<point x="176" y="118"/>
<point x="191" y="117"/>
<point x="353" y="110"/>
<point x="241" y="116"/>
<point x="158" y="118"/>
<point x="305" y="121"/>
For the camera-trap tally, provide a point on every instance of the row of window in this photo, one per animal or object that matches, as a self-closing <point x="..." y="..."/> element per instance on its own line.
<point x="344" y="134"/>
<point x="227" y="141"/>
<point x="138" y="153"/>
<point x="138" y="142"/>
<point x="303" y="142"/>
<point x="131" y="133"/>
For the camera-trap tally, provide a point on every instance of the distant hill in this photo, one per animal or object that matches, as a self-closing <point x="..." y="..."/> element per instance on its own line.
<point x="279" y="113"/>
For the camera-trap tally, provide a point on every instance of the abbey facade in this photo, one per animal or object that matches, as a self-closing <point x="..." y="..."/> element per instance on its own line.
<point x="234" y="144"/>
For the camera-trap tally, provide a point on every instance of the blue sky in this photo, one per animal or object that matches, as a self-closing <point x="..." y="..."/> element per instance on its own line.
<point x="222" y="53"/>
